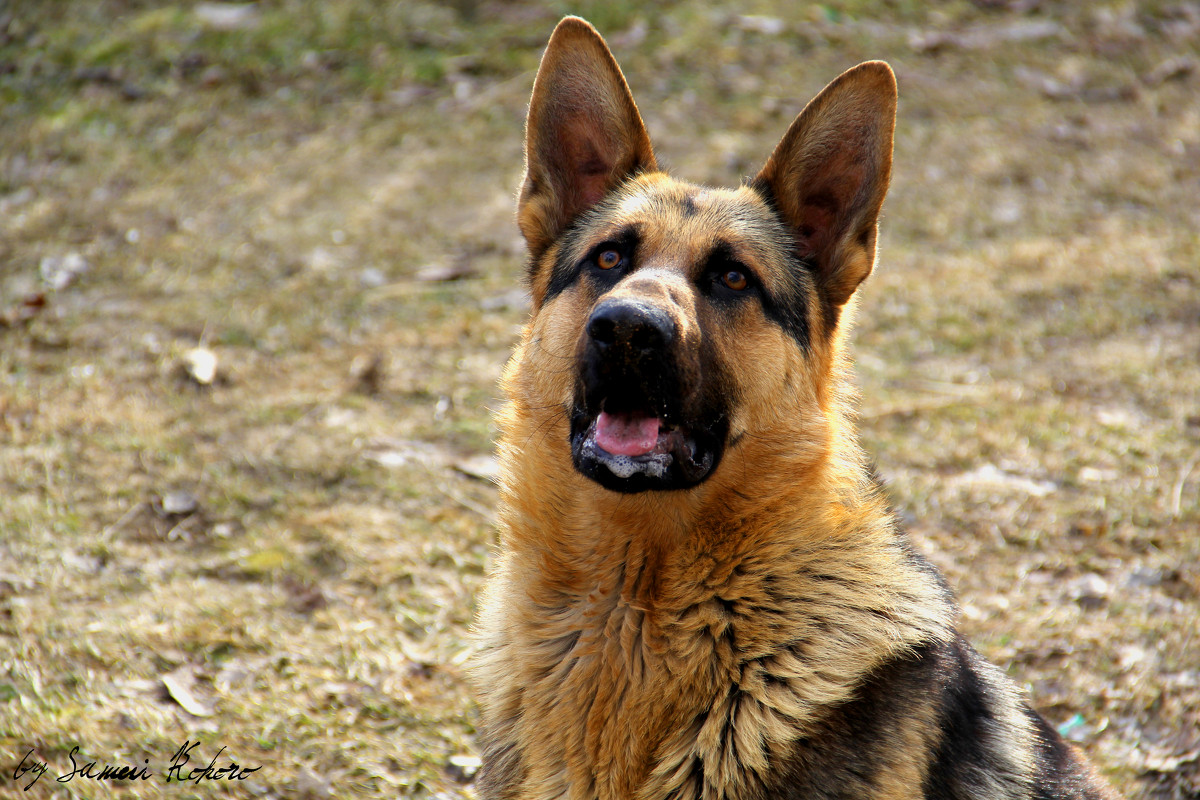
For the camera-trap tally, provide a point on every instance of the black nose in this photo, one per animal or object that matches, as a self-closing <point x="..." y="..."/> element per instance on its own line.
<point x="632" y="326"/>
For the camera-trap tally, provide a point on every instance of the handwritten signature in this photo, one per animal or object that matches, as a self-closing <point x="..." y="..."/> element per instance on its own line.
<point x="178" y="771"/>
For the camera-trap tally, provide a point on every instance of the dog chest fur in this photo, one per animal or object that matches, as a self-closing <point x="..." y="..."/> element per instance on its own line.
<point x="692" y="670"/>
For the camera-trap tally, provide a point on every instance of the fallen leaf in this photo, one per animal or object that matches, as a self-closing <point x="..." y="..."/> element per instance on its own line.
<point x="1090" y="591"/>
<point x="480" y="467"/>
<point x="1076" y="88"/>
<point x="324" y="259"/>
<point x="81" y="562"/>
<point x="180" y="685"/>
<point x="60" y="272"/>
<point x="30" y="306"/>
<point x="265" y="561"/>
<point x="1171" y="69"/>
<point x="177" y="504"/>
<point x="513" y="299"/>
<point x="758" y="23"/>
<point x="462" y="767"/>
<point x="984" y="36"/>
<point x="366" y="373"/>
<point x="309" y="784"/>
<point x="304" y="597"/>
<point x="1161" y="759"/>
<point x="440" y="273"/>
<point x="227" y="16"/>
<point x="403" y="452"/>
<point x="200" y="364"/>
<point x="1046" y="85"/>
<point x="1095" y="475"/>
<point x="990" y="475"/>
<point x="1121" y="418"/>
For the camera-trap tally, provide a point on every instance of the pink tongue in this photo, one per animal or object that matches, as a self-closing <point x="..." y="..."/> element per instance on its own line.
<point x="626" y="434"/>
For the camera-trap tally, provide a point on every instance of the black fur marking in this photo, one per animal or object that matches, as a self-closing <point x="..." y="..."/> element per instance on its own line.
<point x="566" y="272"/>
<point x="688" y="206"/>
<point x="792" y="314"/>
<point x="845" y="756"/>
<point x="966" y="717"/>
<point x="502" y="771"/>
<point x="849" y="751"/>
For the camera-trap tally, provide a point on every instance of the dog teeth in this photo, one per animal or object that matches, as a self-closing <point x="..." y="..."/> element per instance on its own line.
<point x="654" y="465"/>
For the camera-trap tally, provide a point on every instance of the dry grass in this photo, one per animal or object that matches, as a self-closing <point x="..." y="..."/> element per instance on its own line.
<point x="286" y="193"/>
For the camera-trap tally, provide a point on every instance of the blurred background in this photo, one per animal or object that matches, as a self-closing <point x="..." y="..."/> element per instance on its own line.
<point x="259" y="274"/>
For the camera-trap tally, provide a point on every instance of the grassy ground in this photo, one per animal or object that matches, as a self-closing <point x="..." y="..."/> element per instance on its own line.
<point x="282" y="561"/>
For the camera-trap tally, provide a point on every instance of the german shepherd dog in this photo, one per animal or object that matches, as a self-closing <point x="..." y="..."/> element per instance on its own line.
<point x="701" y="591"/>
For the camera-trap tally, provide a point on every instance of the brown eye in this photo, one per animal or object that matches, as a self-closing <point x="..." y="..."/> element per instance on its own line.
<point x="608" y="259"/>
<point x="735" y="280"/>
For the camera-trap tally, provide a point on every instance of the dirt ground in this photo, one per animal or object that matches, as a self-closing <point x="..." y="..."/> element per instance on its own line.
<point x="259" y="274"/>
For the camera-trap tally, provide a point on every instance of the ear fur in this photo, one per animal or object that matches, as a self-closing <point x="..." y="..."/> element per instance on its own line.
<point x="583" y="135"/>
<point x="830" y="172"/>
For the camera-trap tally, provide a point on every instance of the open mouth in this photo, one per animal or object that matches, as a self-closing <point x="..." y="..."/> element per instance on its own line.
<point x="637" y="451"/>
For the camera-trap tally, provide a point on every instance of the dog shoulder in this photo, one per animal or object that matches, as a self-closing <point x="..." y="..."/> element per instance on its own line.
<point x="947" y="721"/>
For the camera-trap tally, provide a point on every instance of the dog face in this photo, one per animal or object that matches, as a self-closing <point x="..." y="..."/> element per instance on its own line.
<point x="672" y="321"/>
<point x="683" y="287"/>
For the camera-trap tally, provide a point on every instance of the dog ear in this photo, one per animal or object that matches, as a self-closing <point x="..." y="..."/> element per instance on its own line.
<point x="583" y="135"/>
<point x="830" y="172"/>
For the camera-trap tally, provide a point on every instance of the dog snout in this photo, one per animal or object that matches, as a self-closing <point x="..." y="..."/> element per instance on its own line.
<point x="630" y="326"/>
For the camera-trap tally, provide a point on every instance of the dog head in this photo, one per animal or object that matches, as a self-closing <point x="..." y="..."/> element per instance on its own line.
<point x="672" y="321"/>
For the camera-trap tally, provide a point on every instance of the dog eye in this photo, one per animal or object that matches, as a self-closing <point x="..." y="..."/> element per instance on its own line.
<point x="735" y="280"/>
<point x="608" y="259"/>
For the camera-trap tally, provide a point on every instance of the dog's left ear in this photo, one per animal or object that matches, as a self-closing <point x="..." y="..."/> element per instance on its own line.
<point x="830" y="172"/>
<point x="584" y="133"/>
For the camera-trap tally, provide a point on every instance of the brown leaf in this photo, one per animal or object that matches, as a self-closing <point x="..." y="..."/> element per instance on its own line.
<point x="480" y="467"/>
<point x="366" y="373"/>
<point x="1171" y="69"/>
<point x="30" y="306"/>
<point x="180" y="685"/>
<point x="440" y="273"/>
<point x="982" y="37"/>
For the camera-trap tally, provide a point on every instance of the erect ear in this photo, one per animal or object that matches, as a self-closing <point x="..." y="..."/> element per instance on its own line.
<point x="583" y="136"/>
<point x="829" y="173"/>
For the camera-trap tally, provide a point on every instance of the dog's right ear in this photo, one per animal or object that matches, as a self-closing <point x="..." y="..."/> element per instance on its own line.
<point x="584" y="134"/>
